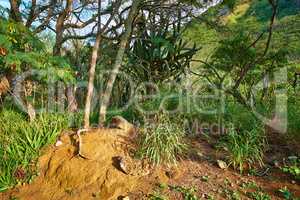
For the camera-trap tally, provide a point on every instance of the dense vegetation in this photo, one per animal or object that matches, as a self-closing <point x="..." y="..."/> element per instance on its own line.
<point x="228" y="75"/>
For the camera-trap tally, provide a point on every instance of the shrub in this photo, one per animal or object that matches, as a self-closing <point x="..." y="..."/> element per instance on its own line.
<point x="245" y="148"/>
<point x="293" y="117"/>
<point x="161" y="140"/>
<point x="21" y="142"/>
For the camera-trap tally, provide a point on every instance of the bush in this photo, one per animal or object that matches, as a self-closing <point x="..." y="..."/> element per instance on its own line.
<point x="245" y="148"/>
<point x="293" y="117"/>
<point x="238" y="115"/>
<point x="21" y="142"/>
<point x="161" y="140"/>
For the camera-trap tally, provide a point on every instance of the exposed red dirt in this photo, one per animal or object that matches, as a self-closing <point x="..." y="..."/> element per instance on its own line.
<point x="93" y="172"/>
<point x="201" y="172"/>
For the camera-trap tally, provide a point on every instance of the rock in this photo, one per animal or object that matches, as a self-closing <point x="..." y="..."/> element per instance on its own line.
<point x="121" y="123"/>
<point x="222" y="164"/>
<point x="121" y="164"/>
<point x="199" y="154"/>
<point x="125" y="198"/>
<point x="170" y="174"/>
<point x="173" y="173"/>
<point x="58" y="143"/>
<point x="276" y="164"/>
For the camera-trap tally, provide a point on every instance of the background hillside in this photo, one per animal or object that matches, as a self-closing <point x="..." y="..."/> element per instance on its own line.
<point x="252" y="16"/>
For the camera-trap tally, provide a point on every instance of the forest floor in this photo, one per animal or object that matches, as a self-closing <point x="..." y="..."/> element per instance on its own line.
<point x="103" y="168"/>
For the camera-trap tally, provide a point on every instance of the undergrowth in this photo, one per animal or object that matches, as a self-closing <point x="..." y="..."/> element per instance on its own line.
<point x="292" y="167"/>
<point x="21" y="143"/>
<point x="161" y="140"/>
<point x="244" y="148"/>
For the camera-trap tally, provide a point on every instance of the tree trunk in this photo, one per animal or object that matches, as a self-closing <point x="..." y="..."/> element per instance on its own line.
<point x="92" y="70"/>
<point x="31" y="111"/>
<point x="28" y="91"/>
<point x="59" y="28"/>
<point x="107" y="94"/>
<point x="71" y="98"/>
<point x="57" y="51"/>
<point x="15" y="10"/>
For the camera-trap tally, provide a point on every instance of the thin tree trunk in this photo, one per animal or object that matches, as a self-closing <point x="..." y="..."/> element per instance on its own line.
<point x="107" y="94"/>
<point x="92" y="70"/>
<point x="71" y="98"/>
<point x="28" y="91"/>
<point x="15" y="10"/>
<point x="59" y="28"/>
<point x="57" y="51"/>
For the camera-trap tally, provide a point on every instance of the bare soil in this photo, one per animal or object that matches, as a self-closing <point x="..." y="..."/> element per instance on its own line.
<point x="94" y="172"/>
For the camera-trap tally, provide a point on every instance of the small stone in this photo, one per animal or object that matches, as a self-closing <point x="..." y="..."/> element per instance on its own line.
<point x="199" y="154"/>
<point x="121" y="123"/>
<point x="276" y="164"/>
<point x="121" y="164"/>
<point x="293" y="182"/>
<point x="58" y="143"/>
<point x="170" y="174"/>
<point x="222" y="164"/>
<point x="126" y="198"/>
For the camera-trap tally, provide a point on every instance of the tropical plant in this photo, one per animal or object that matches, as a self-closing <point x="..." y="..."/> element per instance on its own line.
<point x="259" y="195"/>
<point x="245" y="148"/>
<point x="157" y="57"/>
<point x="21" y="50"/>
<point x="161" y="141"/>
<point x="21" y="143"/>
<point x="287" y="195"/>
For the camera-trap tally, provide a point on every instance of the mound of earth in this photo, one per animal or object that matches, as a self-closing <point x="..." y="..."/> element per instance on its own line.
<point x="90" y="165"/>
<point x="98" y="164"/>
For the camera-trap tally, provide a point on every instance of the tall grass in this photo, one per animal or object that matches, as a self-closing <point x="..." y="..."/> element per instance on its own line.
<point x="162" y="141"/>
<point x="245" y="148"/>
<point x="21" y="142"/>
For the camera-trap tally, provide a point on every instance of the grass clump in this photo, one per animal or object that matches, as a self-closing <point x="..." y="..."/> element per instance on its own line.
<point x="162" y="141"/>
<point x="245" y="148"/>
<point x="157" y="196"/>
<point x="292" y="167"/>
<point x="259" y="195"/>
<point x="187" y="193"/>
<point x="21" y="142"/>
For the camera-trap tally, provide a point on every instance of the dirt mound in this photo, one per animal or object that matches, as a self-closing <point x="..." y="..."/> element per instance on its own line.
<point x="93" y="165"/>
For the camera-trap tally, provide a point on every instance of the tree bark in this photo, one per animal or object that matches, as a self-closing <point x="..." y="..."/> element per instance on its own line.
<point x="57" y="50"/>
<point x="15" y="10"/>
<point x="92" y="70"/>
<point x="60" y="27"/>
<point x="32" y="13"/>
<point x="71" y="98"/>
<point x="105" y="97"/>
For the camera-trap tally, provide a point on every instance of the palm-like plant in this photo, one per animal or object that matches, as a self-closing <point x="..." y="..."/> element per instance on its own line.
<point x="159" y="57"/>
